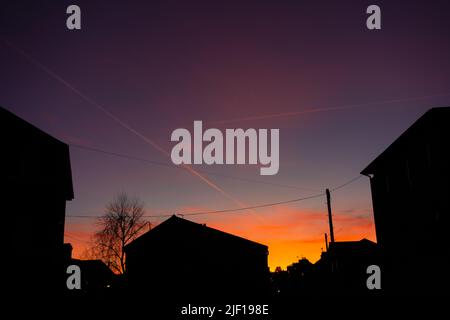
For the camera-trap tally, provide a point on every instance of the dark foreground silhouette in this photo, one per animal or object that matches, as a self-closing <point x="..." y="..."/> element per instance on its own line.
<point x="184" y="262"/>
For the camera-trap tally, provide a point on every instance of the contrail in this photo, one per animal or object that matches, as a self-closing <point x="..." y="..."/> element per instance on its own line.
<point x="120" y="122"/>
<point x="314" y="110"/>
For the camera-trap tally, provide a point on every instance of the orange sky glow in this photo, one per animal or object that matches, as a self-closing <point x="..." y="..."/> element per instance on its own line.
<point x="290" y="233"/>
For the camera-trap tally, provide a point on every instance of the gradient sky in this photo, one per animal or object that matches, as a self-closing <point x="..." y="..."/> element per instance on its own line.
<point x="160" y="65"/>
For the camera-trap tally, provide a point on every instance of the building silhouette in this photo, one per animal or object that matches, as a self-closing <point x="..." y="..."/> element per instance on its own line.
<point x="97" y="279"/>
<point x="183" y="260"/>
<point x="36" y="183"/>
<point x="297" y="280"/>
<point x="410" y="184"/>
<point x="341" y="270"/>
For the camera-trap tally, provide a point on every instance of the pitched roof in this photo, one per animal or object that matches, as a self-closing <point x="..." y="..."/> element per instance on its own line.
<point x="352" y="245"/>
<point x="12" y="121"/>
<point x="433" y="119"/>
<point x="175" y="224"/>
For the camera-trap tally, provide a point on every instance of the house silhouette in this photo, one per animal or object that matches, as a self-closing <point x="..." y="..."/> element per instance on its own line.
<point x="97" y="279"/>
<point x="342" y="269"/>
<point x="410" y="184"/>
<point x="181" y="260"/>
<point x="36" y="183"/>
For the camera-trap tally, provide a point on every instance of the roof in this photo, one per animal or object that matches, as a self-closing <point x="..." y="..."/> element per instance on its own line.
<point x="95" y="266"/>
<point x="352" y="245"/>
<point x="177" y="225"/>
<point x="31" y="157"/>
<point x="433" y="119"/>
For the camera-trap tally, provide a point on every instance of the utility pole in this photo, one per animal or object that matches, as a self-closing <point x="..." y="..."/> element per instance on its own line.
<point x="330" y="219"/>
<point x="326" y="241"/>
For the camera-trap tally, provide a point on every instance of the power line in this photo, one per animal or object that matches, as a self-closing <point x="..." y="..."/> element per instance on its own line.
<point x="158" y="163"/>
<point x="235" y="209"/>
<point x="113" y="117"/>
<point x="347" y="183"/>
<point x="216" y="211"/>
<point x="156" y="146"/>
<point x="254" y="207"/>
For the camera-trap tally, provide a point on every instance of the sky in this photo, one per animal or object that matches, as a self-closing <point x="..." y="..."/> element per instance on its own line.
<point x="137" y="70"/>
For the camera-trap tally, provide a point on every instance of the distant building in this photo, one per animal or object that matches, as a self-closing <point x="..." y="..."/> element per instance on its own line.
<point x="343" y="268"/>
<point x="182" y="259"/>
<point x="296" y="281"/>
<point x="410" y="183"/>
<point x="97" y="279"/>
<point x="35" y="184"/>
<point x="301" y="268"/>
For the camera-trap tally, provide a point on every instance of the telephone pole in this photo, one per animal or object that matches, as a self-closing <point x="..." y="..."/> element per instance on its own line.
<point x="330" y="219"/>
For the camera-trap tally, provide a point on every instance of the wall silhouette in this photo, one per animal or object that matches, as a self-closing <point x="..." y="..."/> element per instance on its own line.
<point x="410" y="183"/>
<point x="36" y="183"/>
<point x="341" y="270"/>
<point x="185" y="261"/>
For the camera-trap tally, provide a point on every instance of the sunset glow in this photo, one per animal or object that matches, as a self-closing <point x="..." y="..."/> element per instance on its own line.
<point x="337" y="94"/>
<point x="290" y="233"/>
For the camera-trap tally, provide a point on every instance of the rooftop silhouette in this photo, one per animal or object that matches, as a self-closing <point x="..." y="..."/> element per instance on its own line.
<point x="410" y="183"/>
<point x="182" y="259"/>
<point x="36" y="183"/>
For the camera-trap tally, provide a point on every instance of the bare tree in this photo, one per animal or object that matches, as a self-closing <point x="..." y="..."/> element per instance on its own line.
<point x="122" y="223"/>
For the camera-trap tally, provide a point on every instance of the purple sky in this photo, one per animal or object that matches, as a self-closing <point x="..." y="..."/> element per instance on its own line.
<point x="160" y="65"/>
